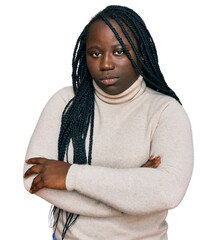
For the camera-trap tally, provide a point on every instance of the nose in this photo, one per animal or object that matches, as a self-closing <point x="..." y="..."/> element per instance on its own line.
<point x="106" y="63"/>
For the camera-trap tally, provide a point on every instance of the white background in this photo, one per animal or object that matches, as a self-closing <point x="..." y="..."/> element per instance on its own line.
<point x="37" y="41"/>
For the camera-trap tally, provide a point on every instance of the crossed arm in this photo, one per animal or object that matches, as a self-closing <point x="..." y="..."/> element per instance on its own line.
<point x="52" y="174"/>
<point x="155" y="186"/>
<point x="44" y="174"/>
<point x="43" y="171"/>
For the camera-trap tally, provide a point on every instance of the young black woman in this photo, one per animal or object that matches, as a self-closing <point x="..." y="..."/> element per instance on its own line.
<point x="102" y="131"/>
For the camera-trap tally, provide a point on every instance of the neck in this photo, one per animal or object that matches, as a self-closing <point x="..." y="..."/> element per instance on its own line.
<point x="134" y="91"/>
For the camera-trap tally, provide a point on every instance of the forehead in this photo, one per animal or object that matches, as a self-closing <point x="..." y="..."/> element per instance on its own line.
<point x="99" y="31"/>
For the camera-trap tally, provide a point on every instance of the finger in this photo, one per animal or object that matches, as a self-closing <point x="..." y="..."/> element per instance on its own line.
<point x="156" y="158"/>
<point x="157" y="164"/>
<point x="35" y="181"/>
<point x="147" y="164"/>
<point x="36" y="161"/>
<point x="154" y="163"/>
<point x="152" y="158"/>
<point x="37" y="184"/>
<point x="36" y="169"/>
<point x="151" y="161"/>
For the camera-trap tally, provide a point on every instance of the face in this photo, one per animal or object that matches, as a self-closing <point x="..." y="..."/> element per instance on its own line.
<point x="107" y="63"/>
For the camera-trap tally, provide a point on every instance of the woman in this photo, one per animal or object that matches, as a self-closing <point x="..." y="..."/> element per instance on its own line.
<point x="119" y="112"/>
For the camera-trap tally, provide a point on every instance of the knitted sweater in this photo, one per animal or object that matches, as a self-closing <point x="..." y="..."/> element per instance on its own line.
<point x="116" y="198"/>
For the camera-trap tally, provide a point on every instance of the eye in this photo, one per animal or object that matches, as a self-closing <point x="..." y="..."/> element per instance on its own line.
<point x="95" y="54"/>
<point x="118" y="52"/>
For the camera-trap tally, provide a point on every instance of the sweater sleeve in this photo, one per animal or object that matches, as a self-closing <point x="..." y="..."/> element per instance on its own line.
<point x="74" y="202"/>
<point x="44" y="143"/>
<point x="140" y="191"/>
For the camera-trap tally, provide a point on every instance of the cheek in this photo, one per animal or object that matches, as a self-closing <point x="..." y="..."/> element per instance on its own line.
<point x="126" y="68"/>
<point x="124" y="64"/>
<point x="91" y="66"/>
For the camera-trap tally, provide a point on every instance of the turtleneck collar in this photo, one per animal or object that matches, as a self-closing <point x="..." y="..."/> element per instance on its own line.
<point x="134" y="91"/>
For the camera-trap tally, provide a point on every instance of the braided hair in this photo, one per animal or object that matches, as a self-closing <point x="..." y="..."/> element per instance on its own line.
<point x="78" y="115"/>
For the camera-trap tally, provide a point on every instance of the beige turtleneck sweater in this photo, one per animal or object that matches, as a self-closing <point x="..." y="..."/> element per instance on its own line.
<point x="116" y="198"/>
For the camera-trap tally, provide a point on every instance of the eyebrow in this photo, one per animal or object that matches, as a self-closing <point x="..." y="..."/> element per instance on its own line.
<point x="115" y="46"/>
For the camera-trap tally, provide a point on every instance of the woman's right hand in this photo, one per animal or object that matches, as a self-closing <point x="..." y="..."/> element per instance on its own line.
<point x="152" y="162"/>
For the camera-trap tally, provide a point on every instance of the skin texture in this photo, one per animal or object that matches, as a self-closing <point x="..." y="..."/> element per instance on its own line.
<point x="113" y="73"/>
<point x="50" y="174"/>
<point x="106" y="58"/>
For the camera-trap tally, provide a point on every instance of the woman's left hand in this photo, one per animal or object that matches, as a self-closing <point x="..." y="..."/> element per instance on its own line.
<point x="50" y="174"/>
<point x="153" y="162"/>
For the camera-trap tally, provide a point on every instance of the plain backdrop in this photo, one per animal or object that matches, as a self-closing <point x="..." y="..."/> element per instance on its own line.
<point x="36" y="45"/>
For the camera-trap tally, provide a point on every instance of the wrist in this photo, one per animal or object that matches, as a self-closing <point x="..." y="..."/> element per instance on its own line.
<point x="71" y="177"/>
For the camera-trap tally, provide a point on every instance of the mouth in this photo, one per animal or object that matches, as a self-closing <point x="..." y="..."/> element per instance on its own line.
<point x="109" y="80"/>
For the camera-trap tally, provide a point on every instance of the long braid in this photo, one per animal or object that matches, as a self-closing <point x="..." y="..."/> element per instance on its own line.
<point x="153" y="70"/>
<point x="128" y="54"/>
<point x="143" y="36"/>
<point x="150" y="68"/>
<point x="77" y="118"/>
<point x="78" y="115"/>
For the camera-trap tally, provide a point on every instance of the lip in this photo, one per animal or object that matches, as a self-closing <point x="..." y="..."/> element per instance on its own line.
<point x="109" y="80"/>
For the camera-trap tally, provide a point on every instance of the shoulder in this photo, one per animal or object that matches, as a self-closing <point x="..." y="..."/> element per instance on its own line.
<point x="59" y="100"/>
<point x="157" y="98"/>
<point x="165" y="108"/>
<point x="64" y="94"/>
<point x="158" y="102"/>
<point x="61" y="97"/>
